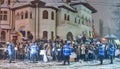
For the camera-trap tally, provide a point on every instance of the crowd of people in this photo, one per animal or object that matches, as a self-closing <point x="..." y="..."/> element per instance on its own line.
<point x="59" y="50"/>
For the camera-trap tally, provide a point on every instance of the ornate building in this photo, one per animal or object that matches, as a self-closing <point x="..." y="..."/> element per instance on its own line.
<point x="34" y="19"/>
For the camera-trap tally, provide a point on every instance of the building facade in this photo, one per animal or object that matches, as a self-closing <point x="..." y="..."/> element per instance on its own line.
<point x="45" y="19"/>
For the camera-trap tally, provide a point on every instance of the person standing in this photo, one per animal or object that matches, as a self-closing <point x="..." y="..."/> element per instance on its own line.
<point x="111" y="52"/>
<point x="33" y="52"/>
<point x="67" y="53"/>
<point x="101" y="53"/>
<point x="83" y="52"/>
<point x="10" y="51"/>
<point x="26" y="52"/>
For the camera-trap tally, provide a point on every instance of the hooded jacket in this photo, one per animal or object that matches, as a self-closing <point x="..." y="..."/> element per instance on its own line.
<point x="101" y="50"/>
<point x="33" y="49"/>
<point x="111" y="50"/>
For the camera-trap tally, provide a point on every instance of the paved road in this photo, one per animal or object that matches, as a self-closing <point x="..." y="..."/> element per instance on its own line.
<point x="58" y="65"/>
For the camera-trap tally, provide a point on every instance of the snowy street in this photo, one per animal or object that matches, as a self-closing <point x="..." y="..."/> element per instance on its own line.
<point x="58" y="65"/>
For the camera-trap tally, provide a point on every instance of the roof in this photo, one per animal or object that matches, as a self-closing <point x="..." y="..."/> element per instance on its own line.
<point x="89" y="7"/>
<point x="58" y="5"/>
<point x="50" y="4"/>
<point x="85" y="4"/>
<point x="4" y="5"/>
<point x="53" y="3"/>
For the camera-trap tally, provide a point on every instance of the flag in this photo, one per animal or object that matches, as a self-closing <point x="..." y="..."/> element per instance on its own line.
<point x="19" y="34"/>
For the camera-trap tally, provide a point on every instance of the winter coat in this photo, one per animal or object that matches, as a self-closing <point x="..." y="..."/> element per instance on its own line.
<point x="54" y="50"/>
<point x="10" y="49"/>
<point x="82" y="50"/>
<point x="101" y="50"/>
<point x="67" y="50"/>
<point x="111" y="50"/>
<point x="33" y="49"/>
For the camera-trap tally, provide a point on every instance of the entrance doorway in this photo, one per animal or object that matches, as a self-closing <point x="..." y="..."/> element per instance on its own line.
<point x="45" y="35"/>
<point x="69" y="36"/>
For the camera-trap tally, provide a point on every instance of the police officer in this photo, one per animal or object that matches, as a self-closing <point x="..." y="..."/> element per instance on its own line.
<point x="101" y="53"/>
<point x="111" y="52"/>
<point x="33" y="52"/>
<point x="10" y="51"/>
<point x="67" y="53"/>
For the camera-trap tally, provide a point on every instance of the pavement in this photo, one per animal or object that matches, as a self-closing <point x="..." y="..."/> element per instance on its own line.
<point x="4" y="64"/>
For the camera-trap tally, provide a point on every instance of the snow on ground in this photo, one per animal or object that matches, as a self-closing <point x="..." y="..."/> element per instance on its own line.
<point x="58" y="65"/>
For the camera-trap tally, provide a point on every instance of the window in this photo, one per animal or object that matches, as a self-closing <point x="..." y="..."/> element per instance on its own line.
<point x="3" y="15"/>
<point x="52" y="35"/>
<point x="3" y="35"/>
<point x="83" y="22"/>
<point x="52" y="15"/>
<point x="68" y="17"/>
<point x="8" y="2"/>
<point x="65" y="17"/>
<point x="45" y="14"/>
<point x="5" y="12"/>
<point x="79" y="21"/>
<point x="75" y="20"/>
<point x="0" y="17"/>
<point x="90" y="33"/>
<point x="21" y="15"/>
<point x="17" y="15"/>
<point x="45" y="34"/>
<point x="31" y="15"/>
<point x="26" y="14"/>
<point x="1" y="12"/>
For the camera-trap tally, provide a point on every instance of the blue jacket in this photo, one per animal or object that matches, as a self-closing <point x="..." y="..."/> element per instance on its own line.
<point x="111" y="50"/>
<point x="101" y="50"/>
<point x="10" y="49"/>
<point x="67" y="50"/>
<point x="54" y="50"/>
<point x="33" y="49"/>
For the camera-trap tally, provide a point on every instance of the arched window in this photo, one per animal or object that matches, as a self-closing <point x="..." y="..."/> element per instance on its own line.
<point x="75" y="20"/>
<point x="45" y="14"/>
<point x="83" y="22"/>
<point x="52" y="15"/>
<point x="30" y="14"/>
<point x="26" y="14"/>
<point x="17" y="15"/>
<point x="45" y="34"/>
<point x="79" y="21"/>
<point x="65" y="17"/>
<point x="69" y="36"/>
<point x="52" y="35"/>
<point x="22" y="15"/>
<point x="3" y="35"/>
<point x="68" y="17"/>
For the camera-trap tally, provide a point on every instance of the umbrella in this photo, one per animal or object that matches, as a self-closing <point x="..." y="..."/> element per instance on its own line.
<point x="110" y="36"/>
